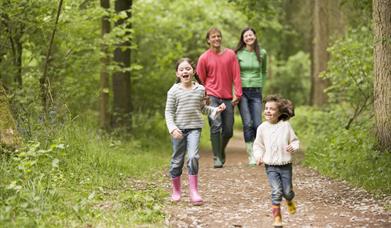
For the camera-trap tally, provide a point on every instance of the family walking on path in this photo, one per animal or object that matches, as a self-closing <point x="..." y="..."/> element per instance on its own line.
<point x="225" y="78"/>
<point x="220" y="72"/>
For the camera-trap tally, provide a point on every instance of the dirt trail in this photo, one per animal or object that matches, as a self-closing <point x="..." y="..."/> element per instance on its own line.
<point x="239" y="196"/>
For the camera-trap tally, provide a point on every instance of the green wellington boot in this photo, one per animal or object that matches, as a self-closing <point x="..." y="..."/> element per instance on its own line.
<point x="215" y="139"/>
<point x="250" y="154"/>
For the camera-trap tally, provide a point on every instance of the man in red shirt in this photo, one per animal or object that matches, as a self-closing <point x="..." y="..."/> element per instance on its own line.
<point x="219" y="71"/>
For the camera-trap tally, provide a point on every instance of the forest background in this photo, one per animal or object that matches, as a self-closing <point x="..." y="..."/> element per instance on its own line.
<point x="83" y="88"/>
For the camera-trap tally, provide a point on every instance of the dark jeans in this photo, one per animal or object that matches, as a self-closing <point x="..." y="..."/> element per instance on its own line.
<point x="221" y="129"/>
<point x="250" y="107"/>
<point x="280" y="180"/>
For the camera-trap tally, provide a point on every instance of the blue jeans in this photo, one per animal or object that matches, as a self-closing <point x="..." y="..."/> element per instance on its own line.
<point x="190" y="143"/>
<point x="280" y="181"/>
<point x="221" y="128"/>
<point x="250" y="107"/>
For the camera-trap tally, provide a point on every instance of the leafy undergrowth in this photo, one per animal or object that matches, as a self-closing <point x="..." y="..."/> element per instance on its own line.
<point x="83" y="179"/>
<point x="340" y="153"/>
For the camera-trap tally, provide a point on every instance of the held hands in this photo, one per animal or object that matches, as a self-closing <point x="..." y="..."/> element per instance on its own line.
<point x="235" y="100"/>
<point x="177" y="134"/>
<point x="259" y="162"/>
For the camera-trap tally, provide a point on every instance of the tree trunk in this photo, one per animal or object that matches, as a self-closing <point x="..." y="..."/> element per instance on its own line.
<point x="121" y="79"/>
<point x="328" y="21"/>
<point x="382" y="71"/>
<point x="9" y="137"/>
<point x="44" y="81"/>
<point x="15" y="39"/>
<point x="18" y="63"/>
<point x="104" y="74"/>
<point x="321" y="56"/>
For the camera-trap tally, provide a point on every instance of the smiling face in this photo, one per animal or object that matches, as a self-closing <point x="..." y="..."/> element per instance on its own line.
<point x="271" y="112"/>
<point x="185" y="72"/>
<point x="214" y="39"/>
<point x="249" y="38"/>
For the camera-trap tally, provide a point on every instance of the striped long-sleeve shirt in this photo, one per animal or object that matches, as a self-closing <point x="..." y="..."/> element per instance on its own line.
<point x="184" y="108"/>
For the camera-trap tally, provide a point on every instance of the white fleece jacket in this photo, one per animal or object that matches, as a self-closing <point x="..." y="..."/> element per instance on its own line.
<point x="271" y="142"/>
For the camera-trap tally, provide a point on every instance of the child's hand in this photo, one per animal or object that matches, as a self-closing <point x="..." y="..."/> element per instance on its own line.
<point x="221" y="108"/>
<point x="290" y="148"/>
<point x="259" y="162"/>
<point x="177" y="134"/>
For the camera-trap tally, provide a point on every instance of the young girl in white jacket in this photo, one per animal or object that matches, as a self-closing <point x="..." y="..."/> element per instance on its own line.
<point x="273" y="146"/>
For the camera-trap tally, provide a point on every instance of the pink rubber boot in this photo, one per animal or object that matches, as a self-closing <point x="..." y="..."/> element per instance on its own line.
<point x="176" y="189"/>
<point x="193" y="186"/>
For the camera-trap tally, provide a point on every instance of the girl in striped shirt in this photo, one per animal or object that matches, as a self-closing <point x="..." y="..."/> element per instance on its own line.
<point x="184" y="107"/>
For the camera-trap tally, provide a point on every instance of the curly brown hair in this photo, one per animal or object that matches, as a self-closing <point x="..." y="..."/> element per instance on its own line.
<point x="285" y="106"/>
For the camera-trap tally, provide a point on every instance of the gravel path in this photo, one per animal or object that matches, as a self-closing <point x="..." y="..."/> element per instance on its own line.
<point x="239" y="196"/>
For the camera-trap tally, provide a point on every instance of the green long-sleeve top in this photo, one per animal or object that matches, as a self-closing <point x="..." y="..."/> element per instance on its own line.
<point x="252" y="73"/>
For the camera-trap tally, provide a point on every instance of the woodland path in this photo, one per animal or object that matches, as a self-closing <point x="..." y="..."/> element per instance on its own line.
<point x="239" y="196"/>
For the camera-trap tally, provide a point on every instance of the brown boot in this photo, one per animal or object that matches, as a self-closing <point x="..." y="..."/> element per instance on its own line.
<point x="276" y="210"/>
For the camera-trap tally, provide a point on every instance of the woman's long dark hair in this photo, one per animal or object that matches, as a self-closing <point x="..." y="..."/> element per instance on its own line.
<point x="242" y="45"/>
<point x="192" y="65"/>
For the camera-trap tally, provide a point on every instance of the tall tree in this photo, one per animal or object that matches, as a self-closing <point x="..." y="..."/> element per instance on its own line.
<point x="14" y="30"/>
<point x="44" y="81"/>
<point x="382" y="70"/>
<point x="327" y="22"/>
<point x="121" y="77"/>
<point x="104" y="74"/>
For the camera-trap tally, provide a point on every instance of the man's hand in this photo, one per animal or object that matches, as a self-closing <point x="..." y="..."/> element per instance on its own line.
<point x="259" y="162"/>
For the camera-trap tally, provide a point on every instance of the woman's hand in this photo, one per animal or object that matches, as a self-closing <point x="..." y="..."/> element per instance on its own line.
<point x="259" y="161"/>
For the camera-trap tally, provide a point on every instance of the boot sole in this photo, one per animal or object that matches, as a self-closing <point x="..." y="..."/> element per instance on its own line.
<point x="197" y="203"/>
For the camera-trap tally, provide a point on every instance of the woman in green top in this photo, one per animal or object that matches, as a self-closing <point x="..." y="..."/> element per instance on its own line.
<point x="253" y="63"/>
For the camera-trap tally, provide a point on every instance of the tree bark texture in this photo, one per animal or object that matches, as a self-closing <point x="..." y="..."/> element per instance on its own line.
<point x="327" y="21"/>
<point x="321" y="56"/>
<point x="121" y="79"/>
<point x="382" y="71"/>
<point x="104" y="74"/>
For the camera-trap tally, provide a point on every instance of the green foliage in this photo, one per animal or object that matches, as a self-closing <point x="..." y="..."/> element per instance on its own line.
<point x="346" y="154"/>
<point x="84" y="178"/>
<point x="350" y="69"/>
<point x="291" y="79"/>
<point x="358" y="12"/>
<point x="168" y="30"/>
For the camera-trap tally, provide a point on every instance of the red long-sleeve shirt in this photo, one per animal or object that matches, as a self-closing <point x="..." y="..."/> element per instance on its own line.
<point x="219" y="73"/>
